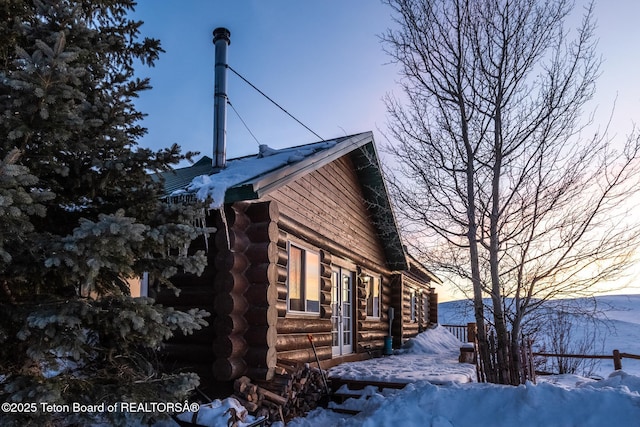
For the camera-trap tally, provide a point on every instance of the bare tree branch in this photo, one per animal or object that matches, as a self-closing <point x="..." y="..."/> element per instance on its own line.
<point x="496" y="179"/>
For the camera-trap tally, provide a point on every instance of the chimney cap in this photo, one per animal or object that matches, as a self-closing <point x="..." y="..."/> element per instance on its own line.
<point x="222" y="33"/>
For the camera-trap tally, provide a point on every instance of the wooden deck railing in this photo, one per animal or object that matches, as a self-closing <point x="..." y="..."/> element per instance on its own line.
<point x="465" y="333"/>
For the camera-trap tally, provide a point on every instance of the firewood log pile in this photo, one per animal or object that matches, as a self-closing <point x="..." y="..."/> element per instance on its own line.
<point x="295" y="389"/>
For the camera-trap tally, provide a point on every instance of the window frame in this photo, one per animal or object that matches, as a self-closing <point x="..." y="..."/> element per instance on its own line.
<point x="413" y="296"/>
<point x="425" y="306"/>
<point x="304" y="276"/>
<point x="139" y="285"/>
<point x="374" y="281"/>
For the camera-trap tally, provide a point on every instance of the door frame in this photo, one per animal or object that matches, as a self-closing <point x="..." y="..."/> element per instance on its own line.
<point x="344" y="313"/>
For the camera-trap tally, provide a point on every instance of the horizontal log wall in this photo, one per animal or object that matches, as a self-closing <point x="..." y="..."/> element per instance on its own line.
<point x="230" y="346"/>
<point x="306" y="354"/>
<point x="264" y="275"/>
<point x="371" y="331"/>
<point x="368" y="333"/>
<point x="245" y="283"/>
<point x="293" y="330"/>
<point x="371" y="335"/>
<point x="287" y="325"/>
<point x="326" y="210"/>
<point x="300" y="340"/>
<point x="330" y="202"/>
<point x="404" y="326"/>
<point x="409" y="327"/>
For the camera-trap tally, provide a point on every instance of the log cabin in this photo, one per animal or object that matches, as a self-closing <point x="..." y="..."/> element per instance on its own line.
<point x="302" y="241"/>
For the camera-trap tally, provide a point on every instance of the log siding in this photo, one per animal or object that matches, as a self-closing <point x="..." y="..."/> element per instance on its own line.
<point x="426" y="308"/>
<point x="331" y="202"/>
<point x="245" y="284"/>
<point x="326" y="209"/>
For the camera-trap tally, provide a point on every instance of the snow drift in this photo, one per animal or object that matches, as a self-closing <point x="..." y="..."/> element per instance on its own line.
<point x="436" y="340"/>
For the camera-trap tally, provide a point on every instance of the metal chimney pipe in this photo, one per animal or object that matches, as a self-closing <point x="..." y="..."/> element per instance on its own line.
<point x="221" y="39"/>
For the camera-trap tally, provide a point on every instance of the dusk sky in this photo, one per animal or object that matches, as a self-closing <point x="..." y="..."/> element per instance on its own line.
<point x="322" y="61"/>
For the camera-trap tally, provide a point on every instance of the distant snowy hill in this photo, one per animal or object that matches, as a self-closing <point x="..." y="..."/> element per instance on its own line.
<point x="619" y="327"/>
<point x="623" y="314"/>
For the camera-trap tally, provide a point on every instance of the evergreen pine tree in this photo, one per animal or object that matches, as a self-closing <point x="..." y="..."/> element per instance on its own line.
<point x="80" y="214"/>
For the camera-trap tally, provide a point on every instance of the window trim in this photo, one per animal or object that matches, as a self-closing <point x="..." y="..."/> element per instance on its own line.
<point x="139" y="285"/>
<point x="413" y="296"/>
<point x="304" y="274"/>
<point x="373" y="278"/>
<point x="425" y="306"/>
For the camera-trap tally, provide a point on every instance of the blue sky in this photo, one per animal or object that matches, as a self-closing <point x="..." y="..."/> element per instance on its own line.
<point x="319" y="59"/>
<point x="323" y="62"/>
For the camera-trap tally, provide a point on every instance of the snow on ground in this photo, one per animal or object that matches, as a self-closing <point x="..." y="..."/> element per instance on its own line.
<point x="432" y="356"/>
<point x="566" y="400"/>
<point x="218" y="413"/>
<point x="441" y="394"/>
<point x="623" y="333"/>
<point x="612" y="402"/>
<point x="619" y="329"/>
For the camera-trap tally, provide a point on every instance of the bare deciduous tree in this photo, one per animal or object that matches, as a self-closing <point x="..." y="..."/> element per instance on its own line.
<point x="566" y="332"/>
<point x="495" y="176"/>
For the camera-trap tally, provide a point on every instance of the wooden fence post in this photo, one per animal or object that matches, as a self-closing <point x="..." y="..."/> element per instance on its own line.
<point x="471" y="332"/>
<point x="433" y="307"/>
<point x="617" y="360"/>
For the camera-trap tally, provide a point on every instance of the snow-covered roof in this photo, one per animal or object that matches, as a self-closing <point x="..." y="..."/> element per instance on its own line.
<point x="246" y="171"/>
<point x="252" y="177"/>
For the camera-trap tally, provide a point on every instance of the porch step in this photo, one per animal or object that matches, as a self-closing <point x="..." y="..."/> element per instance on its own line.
<point x="345" y="411"/>
<point x="337" y="382"/>
<point x="350" y="395"/>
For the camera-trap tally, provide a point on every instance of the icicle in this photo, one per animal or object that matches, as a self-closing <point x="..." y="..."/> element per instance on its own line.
<point x="205" y="230"/>
<point x="200" y="223"/>
<point x="180" y="198"/>
<point x="226" y="226"/>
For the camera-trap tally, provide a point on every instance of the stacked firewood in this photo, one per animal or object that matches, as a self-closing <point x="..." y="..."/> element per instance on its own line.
<point x="296" y="388"/>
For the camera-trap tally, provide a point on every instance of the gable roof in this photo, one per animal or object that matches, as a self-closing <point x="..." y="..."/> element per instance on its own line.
<point x="252" y="177"/>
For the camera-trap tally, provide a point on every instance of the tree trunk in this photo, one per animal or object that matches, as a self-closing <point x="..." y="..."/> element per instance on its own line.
<point x="516" y="354"/>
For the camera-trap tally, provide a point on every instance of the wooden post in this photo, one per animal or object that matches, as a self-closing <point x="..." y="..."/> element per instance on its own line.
<point x="471" y="332"/>
<point x="433" y="307"/>
<point x="617" y="360"/>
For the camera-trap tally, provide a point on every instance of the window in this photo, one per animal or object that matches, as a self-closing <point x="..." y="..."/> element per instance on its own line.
<point x="139" y="286"/>
<point x="414" y="305"/>
<point x="372" y="289"/>
<point x="304" y="280"/>
<point x="425" y="307"/>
